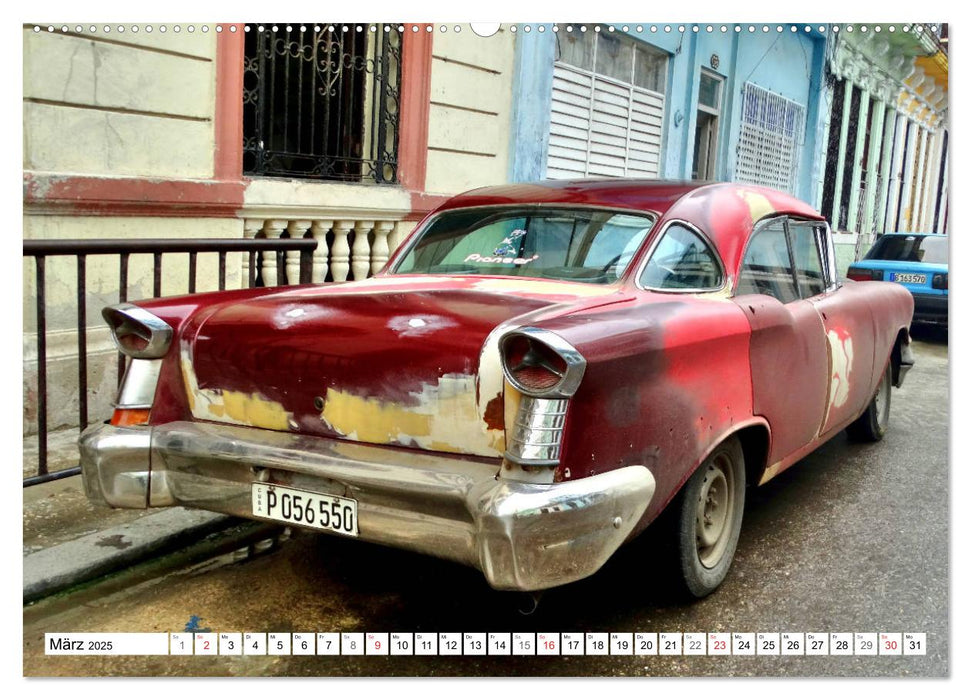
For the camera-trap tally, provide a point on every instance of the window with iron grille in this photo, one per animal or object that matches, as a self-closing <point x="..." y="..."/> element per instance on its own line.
<point x="322" y="101"/>
<point x="770" y="139"/>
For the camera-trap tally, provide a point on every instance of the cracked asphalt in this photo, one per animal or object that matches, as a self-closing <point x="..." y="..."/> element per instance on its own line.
<point x="854" y="538"/>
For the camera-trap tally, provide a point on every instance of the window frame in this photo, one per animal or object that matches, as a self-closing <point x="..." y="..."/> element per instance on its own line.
<point x="827" y="259"/>
<point x="656" y="241"/>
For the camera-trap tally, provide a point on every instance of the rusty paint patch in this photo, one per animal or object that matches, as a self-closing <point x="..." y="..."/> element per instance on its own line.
<point x="494" y="413"/>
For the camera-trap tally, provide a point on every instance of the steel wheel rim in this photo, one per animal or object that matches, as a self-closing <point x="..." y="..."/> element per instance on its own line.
<point x="881" y="402"/>
<point x="715" y="511"/>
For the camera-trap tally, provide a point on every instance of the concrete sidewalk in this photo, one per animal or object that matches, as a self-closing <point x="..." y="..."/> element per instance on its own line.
<point x="68" y="540"/>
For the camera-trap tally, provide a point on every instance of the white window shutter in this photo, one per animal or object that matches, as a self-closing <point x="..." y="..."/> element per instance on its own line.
<point x="601" y="127"/>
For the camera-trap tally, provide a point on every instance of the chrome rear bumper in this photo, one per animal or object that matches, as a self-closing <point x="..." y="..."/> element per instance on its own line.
<point x="521" y="536"/>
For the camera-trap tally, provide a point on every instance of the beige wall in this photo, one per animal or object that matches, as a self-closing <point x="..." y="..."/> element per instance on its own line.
<point x="471" y="106"/>
<point x="119" y="104"/>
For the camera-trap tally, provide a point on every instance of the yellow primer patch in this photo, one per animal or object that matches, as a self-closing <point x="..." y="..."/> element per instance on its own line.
<point x="770" y="472"/>
<point x="758" y="204"/>
<point x="443" y="418"/>
<point x="231" y="406"/>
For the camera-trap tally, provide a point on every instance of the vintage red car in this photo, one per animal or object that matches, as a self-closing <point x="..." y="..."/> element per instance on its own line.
<point x="539" y="373"/>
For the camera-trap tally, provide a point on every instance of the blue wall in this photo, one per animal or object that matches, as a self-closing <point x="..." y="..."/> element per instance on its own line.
<point x="787" y="63"/>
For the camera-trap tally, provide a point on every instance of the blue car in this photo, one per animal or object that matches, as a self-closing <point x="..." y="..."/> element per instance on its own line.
<point x="918" y="261"/>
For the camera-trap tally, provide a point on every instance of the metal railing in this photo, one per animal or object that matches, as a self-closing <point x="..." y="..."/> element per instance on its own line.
<point x="40" y="250"/>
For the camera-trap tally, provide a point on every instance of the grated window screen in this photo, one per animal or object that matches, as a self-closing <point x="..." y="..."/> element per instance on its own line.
<point x="770" y="139"/>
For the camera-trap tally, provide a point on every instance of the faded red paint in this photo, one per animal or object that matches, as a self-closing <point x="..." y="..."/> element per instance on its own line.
<point x="668" y="377"/>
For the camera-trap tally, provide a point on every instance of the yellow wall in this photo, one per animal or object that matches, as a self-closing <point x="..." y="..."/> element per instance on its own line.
<point x="471" y="105"/>
<point x="119" y="104"/>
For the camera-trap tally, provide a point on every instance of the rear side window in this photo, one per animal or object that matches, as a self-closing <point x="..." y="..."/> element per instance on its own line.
<point x="767" y="268"/>
<point x="682" y="260"/>
<point x="805" y="253"/>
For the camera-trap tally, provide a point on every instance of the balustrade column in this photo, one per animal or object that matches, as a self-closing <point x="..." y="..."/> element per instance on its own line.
<point x="296" y="229"/>
<point x="361" y="250"/>
<point x="251" y="227"/>
<point x="380" y="250"/>
<point x="273" y="228"/>
<point x="340" y="253"/>
<point x="319" y="229"/>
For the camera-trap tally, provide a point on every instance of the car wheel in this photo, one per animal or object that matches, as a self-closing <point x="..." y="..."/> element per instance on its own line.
<point x="710" y="519"/>
<point x="872" y="425"/>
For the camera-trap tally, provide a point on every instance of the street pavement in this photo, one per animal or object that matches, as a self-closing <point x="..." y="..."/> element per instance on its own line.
<point x="854" y="538"/>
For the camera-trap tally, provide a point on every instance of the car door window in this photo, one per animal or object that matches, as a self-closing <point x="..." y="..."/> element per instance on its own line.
<point x="767" y="268"/>
<point x="682" y="260"/>
<point x="805" y="253"/>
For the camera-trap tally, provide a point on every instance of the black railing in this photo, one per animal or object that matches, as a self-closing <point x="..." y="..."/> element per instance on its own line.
<point x="322" y="101"/>
<point x="124" y="249"/>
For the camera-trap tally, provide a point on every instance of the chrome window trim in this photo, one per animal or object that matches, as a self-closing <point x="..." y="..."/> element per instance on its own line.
<point x="786" y="219"/>
<point x="408" y="245"/>
<point x="756" y="229"/>
<point x="642" y="266"/>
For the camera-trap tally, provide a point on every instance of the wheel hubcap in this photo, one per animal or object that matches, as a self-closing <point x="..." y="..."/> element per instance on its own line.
<point x="882" y="401"/>
<point x="715" y="508"/>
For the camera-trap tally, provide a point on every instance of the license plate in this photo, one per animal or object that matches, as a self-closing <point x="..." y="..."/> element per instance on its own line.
<point x="305" y="508"/>
<point x="908" y="278"/>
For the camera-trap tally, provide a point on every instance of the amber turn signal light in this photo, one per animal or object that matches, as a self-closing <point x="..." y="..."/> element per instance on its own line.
<point x="130" y="416"/>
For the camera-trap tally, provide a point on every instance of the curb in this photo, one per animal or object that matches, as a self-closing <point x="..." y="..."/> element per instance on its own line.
<point x="65" y="565"/>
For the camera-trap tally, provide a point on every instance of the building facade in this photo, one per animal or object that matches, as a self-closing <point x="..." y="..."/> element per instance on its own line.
<point x="349" y="134"/>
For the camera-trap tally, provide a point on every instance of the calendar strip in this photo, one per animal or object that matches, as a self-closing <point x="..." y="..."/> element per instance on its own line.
<point x="488" y="644"/>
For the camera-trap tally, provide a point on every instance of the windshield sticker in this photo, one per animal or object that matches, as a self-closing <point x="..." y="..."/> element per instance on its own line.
<point x="476" y="258"/>
<point x="507" y="248"/>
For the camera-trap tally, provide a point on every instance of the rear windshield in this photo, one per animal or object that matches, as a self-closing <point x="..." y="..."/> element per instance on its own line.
<point x="561" y="244"/>
<point x="916" y="248"/>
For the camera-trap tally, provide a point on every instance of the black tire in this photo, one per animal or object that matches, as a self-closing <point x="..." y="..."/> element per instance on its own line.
<point x="873" y="424"/>
<point x="708" y="520"/>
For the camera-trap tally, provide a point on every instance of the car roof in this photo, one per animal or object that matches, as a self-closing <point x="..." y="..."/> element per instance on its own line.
<point x="725" y="211"/>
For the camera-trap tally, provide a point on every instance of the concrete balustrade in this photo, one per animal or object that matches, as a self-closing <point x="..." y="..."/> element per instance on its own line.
<point x="347" y="249"/>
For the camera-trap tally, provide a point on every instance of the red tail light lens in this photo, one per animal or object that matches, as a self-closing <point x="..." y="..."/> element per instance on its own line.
<point x="533" y="365"/>
<point x="863" y="274"/>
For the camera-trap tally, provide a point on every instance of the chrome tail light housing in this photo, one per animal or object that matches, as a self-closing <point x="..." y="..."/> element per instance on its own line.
<point x="547" y="371"/>
<point x="137" y="333"/>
